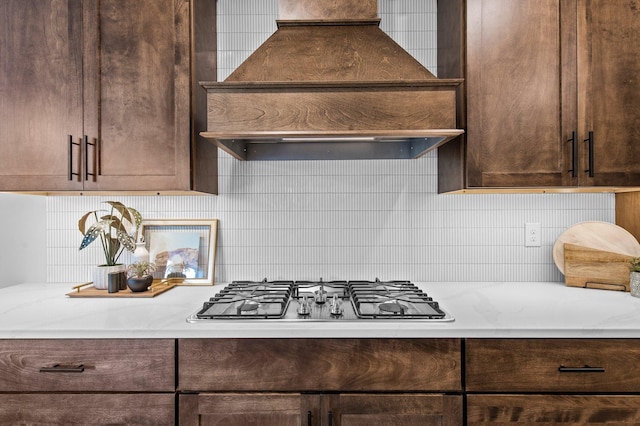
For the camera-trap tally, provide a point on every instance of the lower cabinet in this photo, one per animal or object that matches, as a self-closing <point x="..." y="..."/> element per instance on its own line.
<point x="553" y="409"/>
<point x="552" y="381"/>
<point x="152" y="409"/>
<point x="319" y="382"/>
<point x="87" y="381"/>
<point x="295" y="409"/>
<point x="335" y="382"/>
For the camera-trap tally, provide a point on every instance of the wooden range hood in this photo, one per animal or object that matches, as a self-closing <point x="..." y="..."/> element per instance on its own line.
<point x="330" y="84"/>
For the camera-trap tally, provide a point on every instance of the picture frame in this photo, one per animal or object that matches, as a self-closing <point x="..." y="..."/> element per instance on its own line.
<point x="182" y="248"/>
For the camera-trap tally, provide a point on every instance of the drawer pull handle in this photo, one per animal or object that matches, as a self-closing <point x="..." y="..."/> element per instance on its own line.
<point x="585" y="369"/>
<point x="62" y="369"/>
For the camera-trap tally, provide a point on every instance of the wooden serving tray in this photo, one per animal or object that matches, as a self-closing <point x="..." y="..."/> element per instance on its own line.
<point x="157" y="287"/>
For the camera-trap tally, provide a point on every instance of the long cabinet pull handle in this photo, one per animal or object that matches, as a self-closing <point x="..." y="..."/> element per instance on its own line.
<point x="71" y="144"/>
<point x="62" y="369"/>
<point x="585" y="369"/>
<point x="574" y="154"/>
<point x="86" y="159"/>
<point x="330" y="418"/>
<point x="589" y="140"/>
<point x="309" y="418"/>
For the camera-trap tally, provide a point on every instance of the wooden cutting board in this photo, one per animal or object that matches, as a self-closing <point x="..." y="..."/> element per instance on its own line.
<point x="603" y="236"/>
<point x="592" y="268"/>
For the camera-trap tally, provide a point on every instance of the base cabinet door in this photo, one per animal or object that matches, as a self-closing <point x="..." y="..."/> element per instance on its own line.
<point x="293" y="409"/>
<point x="391" y="409"/>
<point x="84" y="409"/>
<point x="241" y="409"/>
<point x="553" y="409"/>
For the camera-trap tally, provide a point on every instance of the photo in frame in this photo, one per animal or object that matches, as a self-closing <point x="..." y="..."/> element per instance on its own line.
<point x="182" y="249"/>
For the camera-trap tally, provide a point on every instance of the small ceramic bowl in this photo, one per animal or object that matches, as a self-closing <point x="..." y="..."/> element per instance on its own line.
<point x="138" y="285"/>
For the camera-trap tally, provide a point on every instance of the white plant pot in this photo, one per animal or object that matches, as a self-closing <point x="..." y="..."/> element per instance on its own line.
<point x="634" y="283"/>
<point x="101" y="275"/>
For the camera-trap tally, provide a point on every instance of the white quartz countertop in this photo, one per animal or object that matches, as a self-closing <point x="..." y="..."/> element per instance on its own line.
<point x="481" y="310"/>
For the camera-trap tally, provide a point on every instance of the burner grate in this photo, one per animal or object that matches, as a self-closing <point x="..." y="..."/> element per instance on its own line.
<point x="392" y="300"/>
<point x="246" y="299"/>
<point x="321" y="301"/>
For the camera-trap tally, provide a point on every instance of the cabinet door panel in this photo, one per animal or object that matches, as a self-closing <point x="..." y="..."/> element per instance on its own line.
<point x="552" y="409"/>
<point x="233" y="409"/>
<point x="40" y="93"/>
<point x="610" y="90"/>
<point x="141" y="96"/>
<point x="85" y="409"/>
<point x="397" y="410"/>
<point x="514" y="129"/>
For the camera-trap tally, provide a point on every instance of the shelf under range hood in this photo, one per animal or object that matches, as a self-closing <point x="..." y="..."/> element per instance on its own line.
<point x="330" y="84"/>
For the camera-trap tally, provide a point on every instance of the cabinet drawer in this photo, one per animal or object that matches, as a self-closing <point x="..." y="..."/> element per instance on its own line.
<point x="567" y="410"/>
<point x="87" y="409"/>
<point x="550" y="365"/>
<point x="319" y="364"/>
<point x="87" y="365"/>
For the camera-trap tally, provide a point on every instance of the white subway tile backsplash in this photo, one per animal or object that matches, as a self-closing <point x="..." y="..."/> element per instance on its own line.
<point x="343" y="219"/>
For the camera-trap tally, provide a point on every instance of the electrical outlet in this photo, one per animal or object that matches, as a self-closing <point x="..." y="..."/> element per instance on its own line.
<point x="532" y="234"/>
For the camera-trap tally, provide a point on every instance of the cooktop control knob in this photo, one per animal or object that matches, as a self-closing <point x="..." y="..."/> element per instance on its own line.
<point x="336" y="306"/>
<point x="304" y="306"/>
<point x="321" y="295"/>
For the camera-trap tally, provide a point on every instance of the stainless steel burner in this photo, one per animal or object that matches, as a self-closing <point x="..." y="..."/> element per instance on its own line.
<point x="393" y="306"/>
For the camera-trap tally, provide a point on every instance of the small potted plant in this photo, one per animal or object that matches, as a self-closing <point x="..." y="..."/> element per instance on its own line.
<point x="117" y="230"/>
<point x="634" y="276"/>
<point x="139" y="275"/>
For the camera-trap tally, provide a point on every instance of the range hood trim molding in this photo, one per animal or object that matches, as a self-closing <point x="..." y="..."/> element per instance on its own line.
<point x="331" y="149"/>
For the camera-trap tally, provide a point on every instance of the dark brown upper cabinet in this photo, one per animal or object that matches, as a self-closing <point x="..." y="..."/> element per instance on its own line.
<point x="96" y="96"/>
<point x="551" y="93"/>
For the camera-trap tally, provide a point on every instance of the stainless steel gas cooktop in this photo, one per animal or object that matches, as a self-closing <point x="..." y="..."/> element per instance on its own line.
<point x="321" y="301"/>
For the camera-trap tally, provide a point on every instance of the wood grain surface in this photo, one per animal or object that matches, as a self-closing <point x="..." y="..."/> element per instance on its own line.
<point x="533" y="365"/>
<point x="566" y="410"/>
<point x="87" y="409"/>
<point x="113" y="365"/>
<point x="592" y="268"/>
<point x="319" y="364"/>
<point x="596" y="235"/>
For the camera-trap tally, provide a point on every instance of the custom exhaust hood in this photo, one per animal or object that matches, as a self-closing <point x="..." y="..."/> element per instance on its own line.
<point x="330" y="84"/>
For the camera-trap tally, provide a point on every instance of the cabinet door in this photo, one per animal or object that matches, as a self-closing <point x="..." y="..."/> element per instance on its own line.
<point x="241" y="409"/>
<point x="609" y="64"/>
<point x="84" y="409"/>
<point x="397" y="410"/>
<point x="552" y="409"/>
<point x="137" y="106"/>
<point x="519" y="70"/>
<point x="40" y="94"/>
